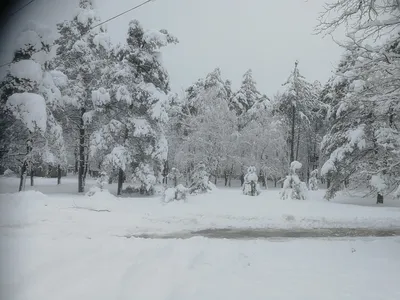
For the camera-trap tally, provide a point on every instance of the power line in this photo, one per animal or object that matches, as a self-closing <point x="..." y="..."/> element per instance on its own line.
<point x="117" y="16"/>
<point x="95" y="26"/>
<point x="8" y="17"/>
<point x="21" y="8"/>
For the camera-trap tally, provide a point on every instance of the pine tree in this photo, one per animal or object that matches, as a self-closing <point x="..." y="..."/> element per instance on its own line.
<point x="246" y="96"/>
<point x="81" y="54"/>
<point x="362" y="142"/>
<point x="30" y="98"/>
<point x="131" y="135"/>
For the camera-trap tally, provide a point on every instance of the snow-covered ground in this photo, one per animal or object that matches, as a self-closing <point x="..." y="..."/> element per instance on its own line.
<point x="69" y="246"/>
<point x="78" y="215"/>
<point x="43" y="268"/>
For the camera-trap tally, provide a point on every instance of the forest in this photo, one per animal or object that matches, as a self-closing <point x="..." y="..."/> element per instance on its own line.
<point x="78" y="103"/>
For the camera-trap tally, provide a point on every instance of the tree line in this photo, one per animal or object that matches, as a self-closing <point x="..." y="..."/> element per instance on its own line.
<point x="79" y="97"/>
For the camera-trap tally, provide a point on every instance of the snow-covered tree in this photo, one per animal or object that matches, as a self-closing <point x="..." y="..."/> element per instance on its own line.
<point x="246" y="96"/>
<point x="300" y="106"/>
<point x="81" y="56"/>
<point x="313" y="181"/>
<point x="200" y="180"/>
<point x="205" y="126"/>
<point x="174" y="175"/>
<point x="251" y="186"/>
<point x="362" y="144"/>
<point x="134" y="108"/>
<point x="293" y="187"/>
<point x="30" y="98"/>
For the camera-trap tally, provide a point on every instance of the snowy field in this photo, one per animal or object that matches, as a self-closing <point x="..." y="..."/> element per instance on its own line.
<point x="56" y="244"/>
<point x="78" y="215"/>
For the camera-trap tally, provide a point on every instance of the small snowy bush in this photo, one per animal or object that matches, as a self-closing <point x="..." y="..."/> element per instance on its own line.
<point x="98" y="194"/>
<point x="99" y="187"/>
<point x="293" y="187"/>
<point x="313" y="181"/>
<point x="9" y="173"/>
<point x="200" y="183"/>
<point x="177" y="193"/>
<point x="251" y="186"/>
<point x="144" y="176"/>
<point x="174" y="175"/>
<point x="102" y="180"/>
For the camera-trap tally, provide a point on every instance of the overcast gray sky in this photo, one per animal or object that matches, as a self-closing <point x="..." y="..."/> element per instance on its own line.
<point x="235" y="35"/>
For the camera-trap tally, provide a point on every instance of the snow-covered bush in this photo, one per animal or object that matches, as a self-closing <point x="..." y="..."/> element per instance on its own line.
<point x="99" y="187"/>
<point x="293" y="187"/>
<point x="102" y="180"/>
<point x="177" y="193"/>
<point x="200" y="182"/>
<point x="174" y="175"/>
<point x="251" y="186"/>
<point x="313" y="181"/>
<point x="9" y="173"/>
<point x="144" y="176"/>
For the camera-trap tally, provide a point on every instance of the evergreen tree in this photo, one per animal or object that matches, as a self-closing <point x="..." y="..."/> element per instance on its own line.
<point x="134" y="109"/>
<point x="81" y="54"/>
<point x="246" y="96"/>
<point x="30" y="98"/>
<point x="363" y="140"/>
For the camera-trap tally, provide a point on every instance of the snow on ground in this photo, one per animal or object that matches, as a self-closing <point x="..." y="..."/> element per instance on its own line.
<point x="41" y="268"/>
<point x="69" y="246"/>
<point x="103" y="214"/>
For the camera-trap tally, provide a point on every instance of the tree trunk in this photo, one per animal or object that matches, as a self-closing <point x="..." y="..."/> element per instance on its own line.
<point x="328" y="183"/>
<point x="379" y="198"/>
<point x="120" y="181"/>
<point x="226" y="178"/>
<point x="215" y="179"/>
<point x="76" y="161"/>
<point x="81" y="170"/>
<point x="298" y="145"/>
<point x="22" y="176"/>
<point x="58" y="174"/>
<point x="292" y="134"/>
<point x="32" y="176"/>
<point x="275" y="182"/>
<point x="175" y="181"/>
<point x="86" y="170"/>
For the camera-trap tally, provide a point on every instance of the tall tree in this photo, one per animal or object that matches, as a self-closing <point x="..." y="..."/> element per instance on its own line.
<point x="80" y="55"/>
<point x="30" y="98"/>
<point x="363" y="141"/>
<point x="246" y="96"/>
<point x="299" y="105"/>
<point x="134" y="108"/>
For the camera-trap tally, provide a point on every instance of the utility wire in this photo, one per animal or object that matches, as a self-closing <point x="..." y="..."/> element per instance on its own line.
<point x="8" y="17"/>
<point x="94" y="26"/>
<point x="117" y="16"/>
<point x="21" y="8"/>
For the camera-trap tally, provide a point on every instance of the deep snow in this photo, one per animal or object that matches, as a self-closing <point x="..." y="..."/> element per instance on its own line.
<point x="69" y="246"/>
<point x="62" y="267"/>
<point x="79" y="215"/>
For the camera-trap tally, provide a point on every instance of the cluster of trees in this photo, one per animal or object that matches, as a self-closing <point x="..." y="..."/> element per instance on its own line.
<point x="107" y="103"/>
<point x="111" y="106"/>
<point x="232" y="130"/>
